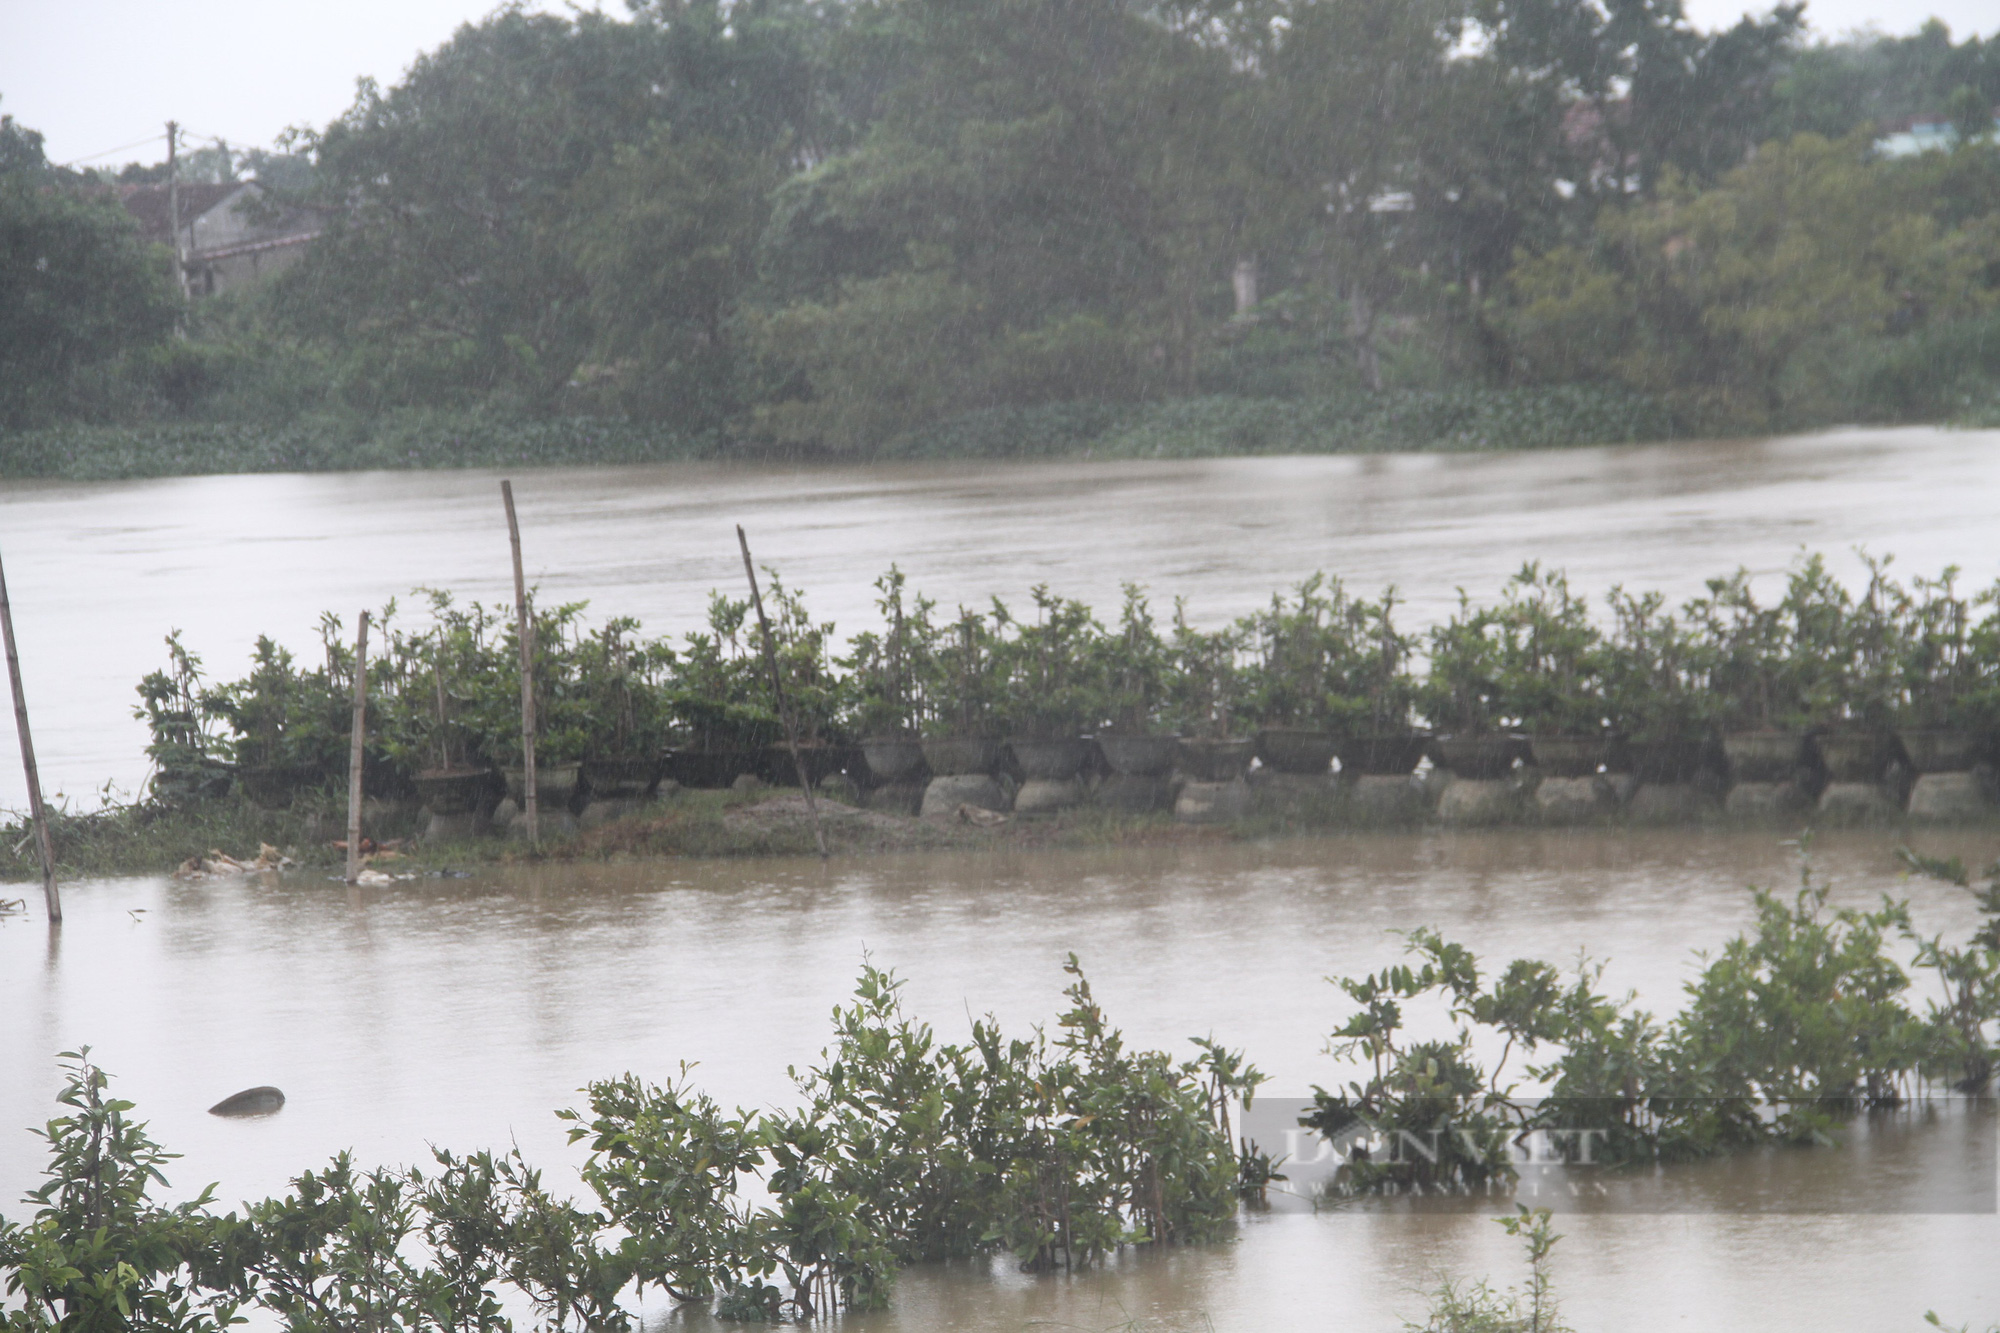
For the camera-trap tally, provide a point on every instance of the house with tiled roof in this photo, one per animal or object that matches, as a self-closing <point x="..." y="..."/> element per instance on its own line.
<point x="230" y="234"/>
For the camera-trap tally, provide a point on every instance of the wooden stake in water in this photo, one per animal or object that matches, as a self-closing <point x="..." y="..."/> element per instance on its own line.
<point x="36" y="810"/>
<point x="778" y="694"/>
<point x="354" y="793"/>
<point x="525" y="632"/>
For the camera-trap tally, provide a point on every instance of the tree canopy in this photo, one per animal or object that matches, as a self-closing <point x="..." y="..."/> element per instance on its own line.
<point x="823" y="224"/>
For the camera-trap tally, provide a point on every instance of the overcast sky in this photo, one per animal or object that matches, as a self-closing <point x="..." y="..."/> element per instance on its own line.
<point x="96" y="75"/>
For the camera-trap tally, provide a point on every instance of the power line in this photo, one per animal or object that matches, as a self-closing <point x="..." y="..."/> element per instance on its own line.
<point x="92" y="157"/>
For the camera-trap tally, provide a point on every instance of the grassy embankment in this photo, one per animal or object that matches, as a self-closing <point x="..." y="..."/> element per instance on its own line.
<point x="154" y="840"/>
<point x="1463" y="419"/>
<point x="1470" y="418"/>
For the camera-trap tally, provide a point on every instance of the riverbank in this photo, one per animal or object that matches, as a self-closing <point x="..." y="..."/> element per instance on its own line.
<point x="147" y="840"/>
<point x="1459" y="419"/>
<point x="759" y="821"/>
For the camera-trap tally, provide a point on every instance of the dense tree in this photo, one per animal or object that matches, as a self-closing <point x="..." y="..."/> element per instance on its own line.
<point x="1830" y="88"/>
<point x="1713" y="293"/>
<point x="79" y="289"/>
<point x="1036" y="197"/>
<point x="826" y="223"/>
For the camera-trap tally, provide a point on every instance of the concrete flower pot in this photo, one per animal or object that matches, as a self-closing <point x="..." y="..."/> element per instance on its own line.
<point x="708" y="770"/>
<point x="1855" y="756"/>
<point x="555" y="784"/>
<point x="893" y="759"/>
<point x="1050" y="761"/>
<point x="1215" y="760"/>
<point x="1572" y="756"/>
<point x="1139" y="756"/>
<point x="621" y="777"/>
<point x="962" y="756"/>
<point x="1297" y="749"/>
<point x="1393" y="755"/>
<point x="1674" y="759"/>
<point x="821" y="762"/>
<point x="456" y="791"/>
<point x="1478" y="758"/>
<point x="1764" y="756"/>
<point x="1941" y="749"/>
<point x="272" y="786"/>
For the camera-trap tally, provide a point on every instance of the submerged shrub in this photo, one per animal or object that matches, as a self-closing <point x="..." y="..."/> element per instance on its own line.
<point x="1792" y="1025"/>
<point x="1059" y="1149"/>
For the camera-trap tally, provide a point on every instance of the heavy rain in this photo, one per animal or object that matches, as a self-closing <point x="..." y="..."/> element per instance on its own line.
<point x="1138" y="665"/>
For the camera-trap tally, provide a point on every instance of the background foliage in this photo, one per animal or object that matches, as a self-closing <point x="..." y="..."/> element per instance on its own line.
<point x="925" y="227"/>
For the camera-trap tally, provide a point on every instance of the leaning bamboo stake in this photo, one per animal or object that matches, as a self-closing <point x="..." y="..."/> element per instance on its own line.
<point x="354" y="793"/>
<point x="525" y="632"/>
<point x="778" y="695"/>
<point x="36" y="810"/>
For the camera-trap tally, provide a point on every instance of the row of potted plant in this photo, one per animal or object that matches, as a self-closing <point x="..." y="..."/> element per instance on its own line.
<point x="1853" y="678"/>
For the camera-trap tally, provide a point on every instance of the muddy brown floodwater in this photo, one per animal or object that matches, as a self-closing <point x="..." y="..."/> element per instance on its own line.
<point x="461" y="1012"/>
<point x="100" y="571"/>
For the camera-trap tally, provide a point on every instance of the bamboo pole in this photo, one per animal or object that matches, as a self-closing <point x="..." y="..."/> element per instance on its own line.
<point x="778" y="695"/>
<point x="36" y="810"/>
<point x="354" y="793"/>
<point x="525" y="632"/>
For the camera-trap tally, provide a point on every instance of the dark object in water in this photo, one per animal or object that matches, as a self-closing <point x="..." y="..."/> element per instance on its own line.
<point x="250" y="1101"/>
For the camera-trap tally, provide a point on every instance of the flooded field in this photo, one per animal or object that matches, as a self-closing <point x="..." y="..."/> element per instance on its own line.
<point x="461" y="1012"/>
<point x="99" y="572"/>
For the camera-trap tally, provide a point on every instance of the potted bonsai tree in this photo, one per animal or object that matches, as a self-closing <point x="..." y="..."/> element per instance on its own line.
<point x="1656" y="672"/>
<point x="1203" y="694"/>
<point x="962" y="726"/>
<point x="719" y="702"/>
<point x="1753" y="675"/>
<point x="1139" y="740"/>
<point x="1295" y="648"/>
<point x="1951" y="676"/>
<point x="1371" y="696"/>
<point x="1851" y="661"/>
<point x="1550" y="682"/>
<point x="620" y="680"/>
<point x="1461" y="695"/>
<point x="563" y="725"/>
<point x="815" y="694"/>
<point x="1050" y="674"/>
<point x="888" y="671"/>
<point x="292" y="727"/>
<point x="446" y="677"/>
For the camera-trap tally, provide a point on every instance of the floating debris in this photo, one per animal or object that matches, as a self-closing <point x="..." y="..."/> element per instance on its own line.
<point x="250" y="1102"/>
<point x="372" y="849"/>
<point x="217" y="864"/>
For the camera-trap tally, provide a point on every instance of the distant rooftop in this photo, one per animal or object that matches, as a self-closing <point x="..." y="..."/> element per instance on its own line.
<point x="1920" y="134"/>
<point x="148" y="203"/>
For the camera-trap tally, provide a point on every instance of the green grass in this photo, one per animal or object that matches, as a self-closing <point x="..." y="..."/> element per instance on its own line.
<point x="1458" y="419"/>
<point x="153" y="840"/>
<point x="1465" y="418"/>
<point x="335" y="444"/>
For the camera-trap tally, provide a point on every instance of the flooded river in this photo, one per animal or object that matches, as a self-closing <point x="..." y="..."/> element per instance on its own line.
<point x="462" y="1011"/>
<point x="100" y="571"/>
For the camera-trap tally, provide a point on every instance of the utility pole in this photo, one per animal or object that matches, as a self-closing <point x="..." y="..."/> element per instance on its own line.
<point x="36" y="810"/>
<point x="357" y="743"/>
<point x="174" y="215"/>
<point x="525" y="632"/>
